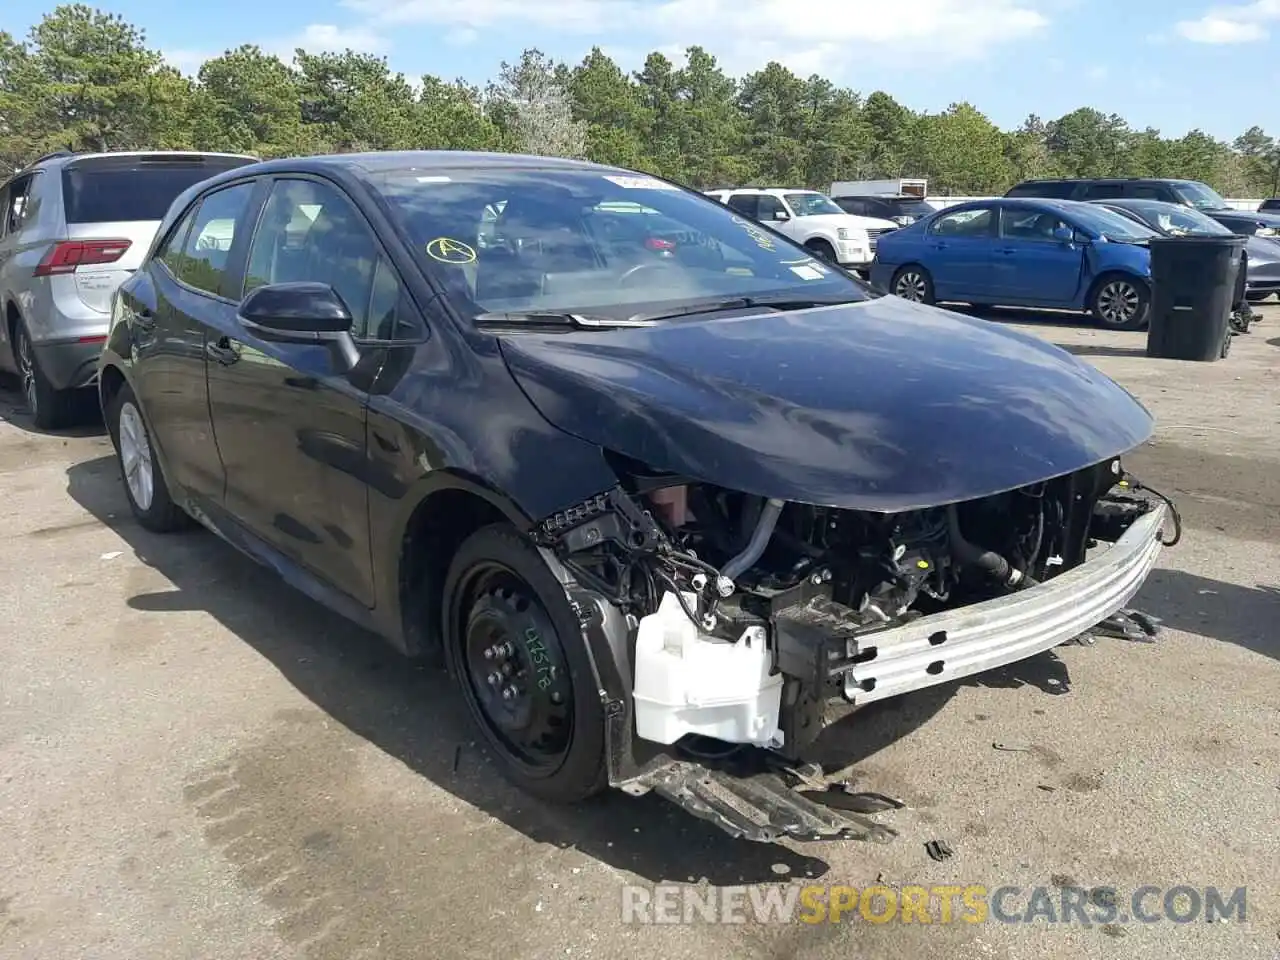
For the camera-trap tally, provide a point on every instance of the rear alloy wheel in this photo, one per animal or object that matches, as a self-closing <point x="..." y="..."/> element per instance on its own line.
<point x="144" y="482"/>
<point x="50" y="408"/>
<point x="914" y="284"/>
<point x="515" y="650"/>
<point x="1121" y="304"/>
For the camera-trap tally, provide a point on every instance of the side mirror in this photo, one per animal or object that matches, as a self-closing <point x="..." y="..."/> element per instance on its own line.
<point x="780" y="215"/>
<point x="301" y="312"/>
<point x="1064" y="234"/>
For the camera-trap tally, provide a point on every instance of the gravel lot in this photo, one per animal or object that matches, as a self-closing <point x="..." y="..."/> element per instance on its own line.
<point x="195" y="762"/>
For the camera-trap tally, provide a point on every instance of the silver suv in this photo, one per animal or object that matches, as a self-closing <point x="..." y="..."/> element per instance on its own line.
<point x="72" y="228"/>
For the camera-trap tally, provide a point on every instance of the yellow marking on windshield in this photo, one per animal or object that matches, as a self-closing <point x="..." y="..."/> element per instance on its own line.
<point x="448" y="250"/>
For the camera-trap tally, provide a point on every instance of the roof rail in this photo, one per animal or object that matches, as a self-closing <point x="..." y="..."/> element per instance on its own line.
<point x="51" y="156"/>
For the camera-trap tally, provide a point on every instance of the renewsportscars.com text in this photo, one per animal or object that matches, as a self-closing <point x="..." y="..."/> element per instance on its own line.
<point x="936" y="904"/>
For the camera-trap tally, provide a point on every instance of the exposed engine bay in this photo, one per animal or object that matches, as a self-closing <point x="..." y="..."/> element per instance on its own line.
<point x="747" y="615"/>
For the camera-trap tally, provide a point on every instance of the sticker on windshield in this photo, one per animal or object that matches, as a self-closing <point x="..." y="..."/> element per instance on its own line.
<point x="762" y="239"/>
<point x="641" y="183"/>
<point x="448" y="250"/>
<point x="808" y="272"/>
<point x="434" y="179"/>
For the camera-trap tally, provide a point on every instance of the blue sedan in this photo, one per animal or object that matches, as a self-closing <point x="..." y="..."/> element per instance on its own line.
<point x="1025" y="253"/>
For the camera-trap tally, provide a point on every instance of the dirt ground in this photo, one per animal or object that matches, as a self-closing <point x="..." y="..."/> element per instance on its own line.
<point x="196" y="762"/>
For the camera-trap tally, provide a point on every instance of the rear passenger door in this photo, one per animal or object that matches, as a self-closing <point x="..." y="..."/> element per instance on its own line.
<point x="186" y="290"/>
<point x="960" y="254"/>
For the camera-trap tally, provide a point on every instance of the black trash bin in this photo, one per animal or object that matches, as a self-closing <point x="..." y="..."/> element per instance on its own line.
<point x="1193" y="288"/>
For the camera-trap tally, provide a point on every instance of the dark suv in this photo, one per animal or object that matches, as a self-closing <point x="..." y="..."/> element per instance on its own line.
<point x="900" y="209"/>
<point x="1188" y="193"/>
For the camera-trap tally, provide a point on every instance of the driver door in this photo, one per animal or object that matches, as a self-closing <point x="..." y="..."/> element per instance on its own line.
<point x="290" y="428"/>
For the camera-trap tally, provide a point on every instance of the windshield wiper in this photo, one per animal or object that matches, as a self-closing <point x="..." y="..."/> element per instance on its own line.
<point x="548" y="318"/>
<point x="742" y="303"/>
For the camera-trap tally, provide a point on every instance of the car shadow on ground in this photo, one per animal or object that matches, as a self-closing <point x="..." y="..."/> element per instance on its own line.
<point x="410" y="711"/>
<point x="13" y="409"/>
<point x="1244" y="616"/>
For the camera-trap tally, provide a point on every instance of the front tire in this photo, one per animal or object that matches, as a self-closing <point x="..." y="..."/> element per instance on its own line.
<point x="1121" y="303"/>
<point x="913" y="283"/>
<point x="145" y="486"/>
<point x="50" y="408"/>
<point x="822" y="250"/>
<point x="514" y="647"/>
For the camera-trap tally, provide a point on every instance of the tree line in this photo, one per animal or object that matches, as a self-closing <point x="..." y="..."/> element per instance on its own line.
<point x="84" y="79"/>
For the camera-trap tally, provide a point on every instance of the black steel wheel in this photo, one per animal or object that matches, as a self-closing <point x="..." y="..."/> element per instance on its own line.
<point x="514" y="647"/>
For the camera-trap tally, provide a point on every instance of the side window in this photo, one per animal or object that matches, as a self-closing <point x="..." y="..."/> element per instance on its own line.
<point x="1021" y="223"/>
<point x="1144" y="191"/>
<point x="769" y="207"/>
<point x="974" y="222"/>
<point x="207" y="245"/>
<point x="853" y="205"/>
<point x="311" y="231"/>
<point x="13" y="205"/>
<point x="1103" y="191"/>
<point x="170" y="252"/>
<point x="745" y="203"/>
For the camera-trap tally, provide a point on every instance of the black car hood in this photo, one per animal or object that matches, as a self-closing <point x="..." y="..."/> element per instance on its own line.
<point x="881" y="405"/>
<point x="1266" y="217"/>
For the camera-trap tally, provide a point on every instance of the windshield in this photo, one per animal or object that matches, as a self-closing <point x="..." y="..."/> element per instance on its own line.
<point x="1198" y="195"/>
<point x="565" y="241"/>
<point x="1180" y="221"/>
<point x="811" y="204"/>
<point x="1108" y="223"/>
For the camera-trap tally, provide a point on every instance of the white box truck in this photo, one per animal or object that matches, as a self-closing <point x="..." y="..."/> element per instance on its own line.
<point x="901" y="187"/>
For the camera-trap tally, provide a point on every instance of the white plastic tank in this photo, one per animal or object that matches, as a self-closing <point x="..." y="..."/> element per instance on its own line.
<point x="689" y="682"/>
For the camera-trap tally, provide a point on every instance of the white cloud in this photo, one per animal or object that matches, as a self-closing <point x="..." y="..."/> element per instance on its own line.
<point x="1243" y="23"/>
<point x="1097" y="73"/>
<point x="462" y="37"/>
<point x="188" y="61"/>
<point x="328" y="38"/>
<point x="825" y="36"/>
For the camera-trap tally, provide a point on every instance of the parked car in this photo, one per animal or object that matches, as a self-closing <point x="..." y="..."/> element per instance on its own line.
<point x="1027" y="253"/>
<point x="634" y="502"/>
<point x="1262" y="254"/>
<point x="1188" y="193"/>
<point x="1271" y="203"/>
<point x="72" y="227"/>
<point x="902" y="210"/>
<point x="812" y="219"/>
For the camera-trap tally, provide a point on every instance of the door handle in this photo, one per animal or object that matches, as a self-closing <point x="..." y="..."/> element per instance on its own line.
<point x="939" y="245"/>
<point x="223" y="351"/>
<point x="1007" y="250"/>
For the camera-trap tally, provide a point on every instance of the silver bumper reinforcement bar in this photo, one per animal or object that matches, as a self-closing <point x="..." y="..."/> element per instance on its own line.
<point x="959" y="643"/>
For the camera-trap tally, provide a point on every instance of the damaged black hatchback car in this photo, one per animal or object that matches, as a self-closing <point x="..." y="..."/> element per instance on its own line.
<point x="659" y="485"/>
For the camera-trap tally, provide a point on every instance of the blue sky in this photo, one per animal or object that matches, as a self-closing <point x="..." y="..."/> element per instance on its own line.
<point x="1172" y="64"/>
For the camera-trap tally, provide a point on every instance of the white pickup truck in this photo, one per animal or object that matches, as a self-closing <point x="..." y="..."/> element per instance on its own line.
<point x="812" y="219"/>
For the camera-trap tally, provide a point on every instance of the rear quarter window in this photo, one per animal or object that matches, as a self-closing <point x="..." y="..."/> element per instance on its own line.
<point x="129" y="189"/>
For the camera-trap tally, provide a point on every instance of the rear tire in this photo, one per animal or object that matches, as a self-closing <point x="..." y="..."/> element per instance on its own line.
<point x="508" y="626"/>
<point x="913" y="283"/>
<point x="145" y="486"/>
<point x="1120" y="302"/>
<point x="50" y="408"/>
